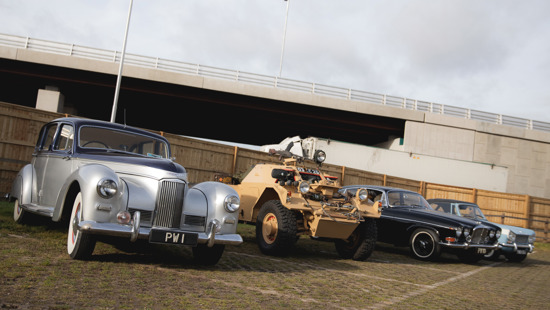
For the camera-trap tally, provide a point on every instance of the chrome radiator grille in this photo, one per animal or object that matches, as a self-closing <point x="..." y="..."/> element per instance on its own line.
<point x="480" y="235"/>
<point x="521" y="239"/>
<point x="169" y="204"/>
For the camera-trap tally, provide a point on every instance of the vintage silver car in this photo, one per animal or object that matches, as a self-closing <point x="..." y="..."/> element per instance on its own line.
<point x="115" y="180"/>
<point x="515" y="242"/>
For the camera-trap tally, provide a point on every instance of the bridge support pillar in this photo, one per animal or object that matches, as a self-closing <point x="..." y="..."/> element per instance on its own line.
<point x="50" y="99"/>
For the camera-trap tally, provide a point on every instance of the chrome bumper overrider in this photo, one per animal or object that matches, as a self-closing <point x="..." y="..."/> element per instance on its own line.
<point x="133" y="231"/>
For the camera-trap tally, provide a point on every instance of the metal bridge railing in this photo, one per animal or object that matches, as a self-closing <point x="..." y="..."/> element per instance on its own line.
<point x="266" y="80"/>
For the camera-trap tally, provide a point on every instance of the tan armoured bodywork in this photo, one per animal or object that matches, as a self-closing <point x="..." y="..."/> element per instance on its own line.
<point x="319" y="213"/>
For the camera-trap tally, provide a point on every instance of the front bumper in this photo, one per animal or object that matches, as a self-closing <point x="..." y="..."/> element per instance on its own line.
<point x="513" y="248"/>
<point x="466" y="246"/>
<point x="133" y="231"/>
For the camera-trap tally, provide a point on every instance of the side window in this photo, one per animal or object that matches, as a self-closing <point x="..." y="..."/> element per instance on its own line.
<point x="66" y="137"/>
<point x="47" y="138"/>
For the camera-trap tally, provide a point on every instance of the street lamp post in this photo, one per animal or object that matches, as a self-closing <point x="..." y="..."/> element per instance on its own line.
<point x="284" y="38"/>
<point x="117" y="90"/>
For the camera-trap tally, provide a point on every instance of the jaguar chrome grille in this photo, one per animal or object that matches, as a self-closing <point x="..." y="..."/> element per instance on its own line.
<point x="480" y="236"/>
<point x="169" y="204"/>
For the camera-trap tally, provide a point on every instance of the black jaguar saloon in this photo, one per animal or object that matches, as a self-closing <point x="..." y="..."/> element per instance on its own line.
<point x="408" y="220"/>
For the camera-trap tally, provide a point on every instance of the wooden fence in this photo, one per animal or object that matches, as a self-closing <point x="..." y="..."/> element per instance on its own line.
<point x="203" y="160"/>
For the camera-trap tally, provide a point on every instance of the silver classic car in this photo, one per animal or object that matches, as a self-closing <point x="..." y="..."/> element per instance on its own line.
<point x="515" y="242"/>
<point x="115" y="180"/>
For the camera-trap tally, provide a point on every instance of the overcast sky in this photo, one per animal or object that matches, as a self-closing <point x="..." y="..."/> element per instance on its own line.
<point x="487" y="55"/>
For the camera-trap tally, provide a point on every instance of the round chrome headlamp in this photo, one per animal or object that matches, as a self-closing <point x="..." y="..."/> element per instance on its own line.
<point x="319" y="156"/>
<point x="304" y="187"/>
<point x="466" y="232"/>
<point x="532" y="238"/>
<point x="363" y="194"/>
<point x="498" y="234"/>
<point x="232" y="203"/>
<point x="511" y="237"/>
<point x="459" y="232"/>
<point x="107" y="188"/>
<point x="491" y="234"/>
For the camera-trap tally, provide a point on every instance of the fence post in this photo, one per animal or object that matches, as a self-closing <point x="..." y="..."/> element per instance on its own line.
<point x="422" y="190"/>
<point x="527" y="211"/>
<point x="474" y="195"/>
<point x="343" y="175"/>
<point x="546" y="230"/>
<point x="234" y="166"/>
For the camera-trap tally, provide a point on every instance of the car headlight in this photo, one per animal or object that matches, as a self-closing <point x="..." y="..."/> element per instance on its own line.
<point x="466" y="232"/>
<point x="107" y="188"/>
<point x="363" y="194"/>
<point x="319" y="156"/>
<point x="459" y="231"/>
<point x="232" y="203"/>
<point x="511" y="237"/>
<point x="532" y="238"/>
<point x="498" y="234"/>
<point x="304" y="187"/>
<point x="491" y="234"/>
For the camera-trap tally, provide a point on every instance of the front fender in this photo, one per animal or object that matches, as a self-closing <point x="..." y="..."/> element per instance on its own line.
<point x="96" y="208"/>
<point x="23" y="185"/>
<point x="212" y="196"/>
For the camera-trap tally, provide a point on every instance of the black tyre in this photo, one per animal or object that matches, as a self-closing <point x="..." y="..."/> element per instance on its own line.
<point x="360" y="245"/>
<point x="80" y="245"/>
<point x="469" y="256"/>
<point x="424" y="244"/>
<point x="276" y="229"/>
<point x="206" y="256"/>
<point x="514" y="257"/>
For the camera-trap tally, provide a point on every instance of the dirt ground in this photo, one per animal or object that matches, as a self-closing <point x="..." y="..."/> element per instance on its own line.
<point x="36" y="273"/>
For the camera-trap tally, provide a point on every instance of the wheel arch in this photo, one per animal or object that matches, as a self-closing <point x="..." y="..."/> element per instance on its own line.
<point x="64" y="213"/>
<point x="267" y="195"/>
<point x="411" y="229"/>
<point x="23" y="185"/>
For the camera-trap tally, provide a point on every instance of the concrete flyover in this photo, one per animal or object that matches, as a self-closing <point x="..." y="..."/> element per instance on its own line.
<point x="228" y="105"/>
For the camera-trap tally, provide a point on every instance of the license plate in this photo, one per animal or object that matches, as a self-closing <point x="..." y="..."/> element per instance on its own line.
<point x="522" y="251"/>
<point x="172" y="237"/>
<point x="481" y="251"/>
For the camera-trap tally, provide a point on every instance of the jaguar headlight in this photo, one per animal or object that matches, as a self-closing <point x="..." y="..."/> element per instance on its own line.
<point x="232" y="203"/>
<point x="532" y="238"/>
<point x="491" y="234"/>
<point x="107" y="188"/>
<point x="466" y="232"/>
<point x="498" y="234"/>
<point x="304" y="187"/>
<point x="459" y="231"/>
<point x="363" y="194"/>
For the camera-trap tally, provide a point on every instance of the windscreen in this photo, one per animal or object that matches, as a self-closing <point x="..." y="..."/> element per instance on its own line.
<point x="123" y="141"/>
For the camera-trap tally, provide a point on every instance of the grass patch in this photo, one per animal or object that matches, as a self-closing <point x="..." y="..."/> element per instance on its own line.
<point x="36" y="272"/>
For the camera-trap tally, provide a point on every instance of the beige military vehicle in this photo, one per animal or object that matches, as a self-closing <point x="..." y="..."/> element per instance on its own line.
<point x="288" y="200"/>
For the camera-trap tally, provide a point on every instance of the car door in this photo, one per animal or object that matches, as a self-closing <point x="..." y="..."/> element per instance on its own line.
<point x="54" y="163"/>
